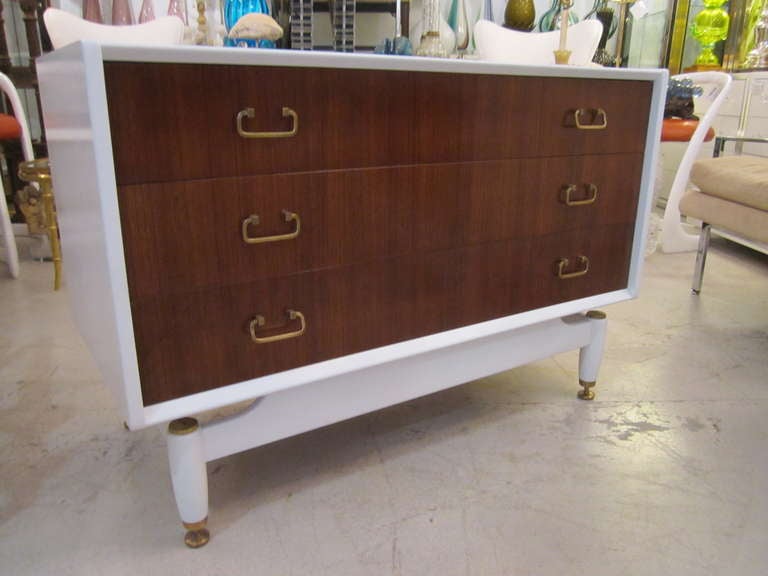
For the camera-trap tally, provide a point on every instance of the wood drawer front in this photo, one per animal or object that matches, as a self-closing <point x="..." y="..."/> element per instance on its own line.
<point x="199" y="341"/>
<point x="186" y="236"/>
<point x="346" y="119"/>
<point x="625" y="103"/>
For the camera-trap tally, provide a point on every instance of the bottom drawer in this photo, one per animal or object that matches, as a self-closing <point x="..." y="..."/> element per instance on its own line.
<point x="200" y="341"/>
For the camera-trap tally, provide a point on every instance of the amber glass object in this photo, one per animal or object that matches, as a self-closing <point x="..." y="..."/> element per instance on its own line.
<point x="520" y="15"/>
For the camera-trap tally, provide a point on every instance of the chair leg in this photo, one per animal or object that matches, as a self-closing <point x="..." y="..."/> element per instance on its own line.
<point x="6" y="229"/>
<point x="701" y="257"/>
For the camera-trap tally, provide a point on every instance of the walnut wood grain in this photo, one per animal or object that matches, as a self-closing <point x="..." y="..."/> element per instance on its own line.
<point x="187" y="236"/>
<point x="347" y="119"/>
<point x="626" y="104"/>
<point x="198" y="341"/>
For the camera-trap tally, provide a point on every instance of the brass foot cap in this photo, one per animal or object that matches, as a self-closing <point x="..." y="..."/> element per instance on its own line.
<point x="587" y="393"/>
<point x="197" y="538"/>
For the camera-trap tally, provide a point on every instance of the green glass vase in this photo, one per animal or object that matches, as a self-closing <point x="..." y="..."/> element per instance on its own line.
<point x="550" y="20"/>
<point x="710" y="26"/>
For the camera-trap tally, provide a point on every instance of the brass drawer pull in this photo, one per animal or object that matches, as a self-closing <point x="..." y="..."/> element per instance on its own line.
<point x="251" y="113"/>
<point x="253" y="220"/>
<point x="562" y="264"/>
<point x="596" y="114"/>
<point x="569" y="190"/>
<point x="259" y="321"/>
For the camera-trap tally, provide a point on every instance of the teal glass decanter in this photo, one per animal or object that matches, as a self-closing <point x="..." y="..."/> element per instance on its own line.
<point x="550" y="20"/>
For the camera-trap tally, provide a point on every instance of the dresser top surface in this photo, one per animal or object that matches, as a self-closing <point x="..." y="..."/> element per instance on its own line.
<point x="317" y="59"/>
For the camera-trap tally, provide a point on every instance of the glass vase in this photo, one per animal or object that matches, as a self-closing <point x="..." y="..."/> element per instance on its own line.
<point x="603" y="5"/>
<point x="550" y="20"/>
<point x="236" y="9"/>
<point x="121" y="13"/>
<point x="520" y="15"/>
<point x="710" y="26"/>
<point x="430" y="44"/>
<point x="178" y="8"/>
<point x="147" y="11"/>
<point x="92" y="11"/>
<point x="758" y="58"/>
<point x="605" y="15"/>
<point x="457" y="19"/>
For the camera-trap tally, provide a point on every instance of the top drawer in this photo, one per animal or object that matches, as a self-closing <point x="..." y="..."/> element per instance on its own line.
<point x="185" y="126"/>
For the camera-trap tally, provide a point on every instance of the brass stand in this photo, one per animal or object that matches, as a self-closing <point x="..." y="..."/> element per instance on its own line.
<point x="39" y="171"/>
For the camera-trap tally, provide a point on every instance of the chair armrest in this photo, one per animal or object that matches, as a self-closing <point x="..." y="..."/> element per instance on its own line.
<point x="720" y="142"/>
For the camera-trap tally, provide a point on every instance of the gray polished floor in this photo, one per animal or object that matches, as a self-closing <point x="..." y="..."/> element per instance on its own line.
<point x="666" y="473"/>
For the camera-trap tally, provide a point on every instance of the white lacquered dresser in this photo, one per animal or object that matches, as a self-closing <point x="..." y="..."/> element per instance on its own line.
<point x="324" y="235"/>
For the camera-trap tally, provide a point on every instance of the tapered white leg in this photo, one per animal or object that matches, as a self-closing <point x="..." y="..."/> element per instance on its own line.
<point x="189" y="476"/>
<point x="591" y="355"/>
<point x="11" y="253"/>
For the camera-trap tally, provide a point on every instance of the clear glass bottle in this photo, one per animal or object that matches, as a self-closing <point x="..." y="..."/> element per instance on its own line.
<point x="178" y="8"/>
<point x="758" y="57"/>
<point x="430" y="44"/>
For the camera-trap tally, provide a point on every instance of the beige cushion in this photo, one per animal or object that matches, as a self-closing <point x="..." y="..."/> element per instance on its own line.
<point x="742" y="179"/>
<point x="733" y="216"/>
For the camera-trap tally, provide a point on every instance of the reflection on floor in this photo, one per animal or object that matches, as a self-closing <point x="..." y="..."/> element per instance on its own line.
<point x="665" y="473"/>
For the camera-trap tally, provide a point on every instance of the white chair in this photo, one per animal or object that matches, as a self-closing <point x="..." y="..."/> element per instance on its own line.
<point x="65" y="28"/>
<point x="501" y="44"/>
<point x="9" y="241"/>
<point x="674" y="237"/>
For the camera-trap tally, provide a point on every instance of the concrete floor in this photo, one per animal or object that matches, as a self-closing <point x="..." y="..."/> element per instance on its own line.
<point x="665" y="473"/>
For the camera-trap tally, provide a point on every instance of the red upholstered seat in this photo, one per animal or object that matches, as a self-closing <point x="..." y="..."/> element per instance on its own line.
<point x="678" y="130"/>
<point x="10" y="129"/>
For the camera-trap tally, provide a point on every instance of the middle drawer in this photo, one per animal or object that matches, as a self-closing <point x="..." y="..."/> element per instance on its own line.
<point x="203" y="340"/>
<point x="191" y="235"/>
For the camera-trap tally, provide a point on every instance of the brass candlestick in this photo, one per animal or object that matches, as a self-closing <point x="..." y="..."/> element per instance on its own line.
<point x="562" y="54"/>
<point x="623" y="8"/>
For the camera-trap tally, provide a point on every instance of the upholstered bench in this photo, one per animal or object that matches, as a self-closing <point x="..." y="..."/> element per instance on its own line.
<point x="731" y="194"/>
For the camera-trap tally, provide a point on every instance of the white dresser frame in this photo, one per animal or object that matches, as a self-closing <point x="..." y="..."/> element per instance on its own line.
<point x="77" y="127"/>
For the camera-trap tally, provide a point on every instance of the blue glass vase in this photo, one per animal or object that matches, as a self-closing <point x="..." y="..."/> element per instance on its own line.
<point x="234" y="10"/>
